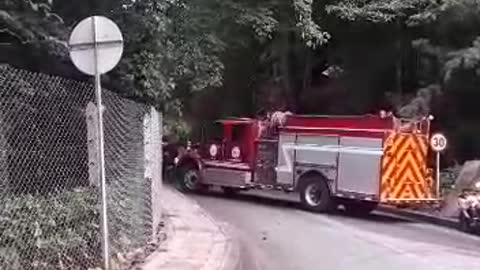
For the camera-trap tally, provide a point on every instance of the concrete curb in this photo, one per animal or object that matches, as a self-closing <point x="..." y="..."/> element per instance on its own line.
<point x="419" y="216"/>
<point x="195" y="240"/>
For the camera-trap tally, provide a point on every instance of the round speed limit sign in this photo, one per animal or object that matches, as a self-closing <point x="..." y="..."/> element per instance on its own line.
<point x="438" y="142"/>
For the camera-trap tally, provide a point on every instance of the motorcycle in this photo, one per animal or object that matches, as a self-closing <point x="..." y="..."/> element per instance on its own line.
<point x="469" y="204"/>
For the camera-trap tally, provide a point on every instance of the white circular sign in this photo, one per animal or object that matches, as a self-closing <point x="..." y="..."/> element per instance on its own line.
<point x="213" y="150"/>
<point x="236" y="152"/>
<point x="438" y="142"/>
<point x="96" y="41"/>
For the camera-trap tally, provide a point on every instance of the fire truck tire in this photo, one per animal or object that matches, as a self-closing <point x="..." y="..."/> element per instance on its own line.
<point x="356" y="208"/>
<point x="464" y="223"/>
<point x="315" y="195"/>
<point x="189" y="179"/>
<point x="230" y="191"/>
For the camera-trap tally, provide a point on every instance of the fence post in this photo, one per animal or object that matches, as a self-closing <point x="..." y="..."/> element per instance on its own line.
<point x="4" y="179"/>
<point x="92" y="134"/>
<point x="153" y="162"/>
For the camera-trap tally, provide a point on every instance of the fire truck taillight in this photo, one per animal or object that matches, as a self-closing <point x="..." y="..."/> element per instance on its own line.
<point x="236" y="152"/>
<point x="213" y="150"/>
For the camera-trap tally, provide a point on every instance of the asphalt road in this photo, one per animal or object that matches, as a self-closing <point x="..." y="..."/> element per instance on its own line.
<point x="277" y="235"/>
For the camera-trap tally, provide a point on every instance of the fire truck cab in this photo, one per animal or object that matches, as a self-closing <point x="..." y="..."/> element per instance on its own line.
<point x="356" y="161"/>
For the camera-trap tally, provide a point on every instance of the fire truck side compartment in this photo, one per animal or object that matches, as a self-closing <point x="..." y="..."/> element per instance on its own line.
<point x="324" y="163"/>
<point x="350" y="159"/>
<point x="284" y="174"/>
<point x="302" y="160"/>
<point x="322" y="159"/>
<point x="360" y="172"/>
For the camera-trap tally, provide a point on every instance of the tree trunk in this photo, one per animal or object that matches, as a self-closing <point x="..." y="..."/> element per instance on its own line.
<point x="289" y="94"/>
<point x="399" y="62"/>
<point x="307" y="73"/>
<point x="307" y="77"/>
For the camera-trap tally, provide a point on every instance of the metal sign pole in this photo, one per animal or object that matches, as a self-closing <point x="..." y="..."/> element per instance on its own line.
<point x="101" y="156"/>
<point x="438" y="143"/>
<point x="438" y="173"/>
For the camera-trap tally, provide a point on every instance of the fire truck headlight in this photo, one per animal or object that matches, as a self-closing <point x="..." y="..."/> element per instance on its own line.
<point x="213" y="150"/>
<point x="236" y="152"/>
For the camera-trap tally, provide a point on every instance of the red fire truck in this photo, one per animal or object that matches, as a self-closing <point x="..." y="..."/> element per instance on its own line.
<point x="355" y="161"/>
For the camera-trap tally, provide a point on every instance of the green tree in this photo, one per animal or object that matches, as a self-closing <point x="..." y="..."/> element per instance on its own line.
<point x="170" y="45"/>
<point x="434" y="47"/>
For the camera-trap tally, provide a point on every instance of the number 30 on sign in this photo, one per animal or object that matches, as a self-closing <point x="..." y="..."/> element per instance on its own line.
<point x="438" y="142"/>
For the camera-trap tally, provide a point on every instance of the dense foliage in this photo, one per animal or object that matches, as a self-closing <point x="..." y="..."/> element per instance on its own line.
<point x="412" y="56"/>
<point x="50" y="232"/>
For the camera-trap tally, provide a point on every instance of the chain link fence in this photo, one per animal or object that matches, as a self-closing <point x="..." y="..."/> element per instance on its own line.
<point x="49" y="187"/>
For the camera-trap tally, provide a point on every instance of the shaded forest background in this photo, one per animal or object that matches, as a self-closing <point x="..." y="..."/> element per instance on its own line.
<point x="198" y="60"/>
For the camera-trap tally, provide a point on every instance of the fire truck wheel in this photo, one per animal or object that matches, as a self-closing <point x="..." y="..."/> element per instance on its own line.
<point x="356" y="208"/>
<point x="464" y="223"/>
<point x="315" y="195"/>
<point x="230" y="191"/>
<point x="189" y="179"/>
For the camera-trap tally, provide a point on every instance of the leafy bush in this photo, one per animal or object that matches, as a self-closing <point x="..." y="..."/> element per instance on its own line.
<point x="177" y="130"/>
<point x="448" y="177"/>
<point x="57" y="231"/>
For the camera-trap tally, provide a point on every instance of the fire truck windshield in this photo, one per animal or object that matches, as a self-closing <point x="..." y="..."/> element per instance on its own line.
<point x="237" y="132"/>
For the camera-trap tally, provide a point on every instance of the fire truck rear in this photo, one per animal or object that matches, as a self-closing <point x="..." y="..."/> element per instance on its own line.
<point x="355" y="161"/>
